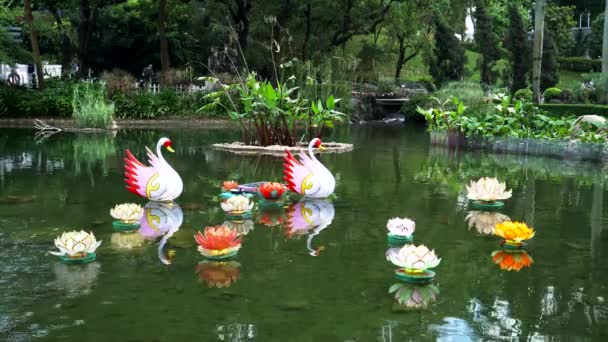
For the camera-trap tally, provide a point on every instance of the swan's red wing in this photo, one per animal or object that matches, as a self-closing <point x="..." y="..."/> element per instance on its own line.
<point x="137" y="175"/>
<point x="296" y="173"/>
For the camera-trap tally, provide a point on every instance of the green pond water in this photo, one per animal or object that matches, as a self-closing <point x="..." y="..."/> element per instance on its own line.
<point x="329" y="283"/>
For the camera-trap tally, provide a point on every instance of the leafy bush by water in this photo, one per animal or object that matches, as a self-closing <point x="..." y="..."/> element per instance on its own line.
<point x="90" y="107"/>
<point x="524" y="94"/>
<point x="552" y="94"/>
<point x="54" y="101"/>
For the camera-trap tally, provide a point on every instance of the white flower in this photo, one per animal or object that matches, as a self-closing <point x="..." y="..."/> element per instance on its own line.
<point x="401" y="226"/>
<point x="237" y="205"/>
<point x="76" y="243"/>
<point x="413" y="257"/>
<point x="127" y="212"/>
<point x="487" y="190"/>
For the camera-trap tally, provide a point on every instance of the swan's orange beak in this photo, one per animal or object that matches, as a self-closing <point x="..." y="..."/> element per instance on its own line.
<point x="322" y="148"/>
<point x="170" y="149"/>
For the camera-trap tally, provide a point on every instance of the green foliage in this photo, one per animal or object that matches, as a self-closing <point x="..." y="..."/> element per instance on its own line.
<point x="54" y="101"/>
<point x="487" y="43"/>
<point x="552" y="94"/>
<point x="410" y="108"/>
<point x="517" y="44"/>
<point x="594" y="88"/>
<point x="594" y="40"/>
<point x="580" y="64"/>
<point x="559" y="109"/>
<point x="560" y="21"/>
<point x="448" y="60"/>
<point x="524" y="94"/>
<point x="167" y="103"/>
<point x="118" y="81"/>
<point x="549" y="76"/>
<point x="468" y="92"/>
<point x="90" y="107"/>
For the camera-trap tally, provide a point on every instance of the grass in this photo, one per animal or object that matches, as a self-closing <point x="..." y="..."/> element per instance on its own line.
<point x="90" y="107"/>
<point x="569" y="79"/>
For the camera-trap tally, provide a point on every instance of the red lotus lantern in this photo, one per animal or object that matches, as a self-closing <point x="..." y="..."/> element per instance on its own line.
<point x="272" y="190"/>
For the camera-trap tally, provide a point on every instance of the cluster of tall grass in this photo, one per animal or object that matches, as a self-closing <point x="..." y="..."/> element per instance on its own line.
<point x="91" y="110"/>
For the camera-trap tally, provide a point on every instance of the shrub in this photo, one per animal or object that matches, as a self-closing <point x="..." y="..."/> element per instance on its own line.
<point x="568" y="96"/>
<point x="559" y="109"/>
<point x="118" y="81"/>
<point x="409" y="109"/>
<point x="524" y="94"/>
<point x="54" y="101"/>
<point x="551" y="94"/>
<point x="90" y="107"/>
<point x="580" y="64"/>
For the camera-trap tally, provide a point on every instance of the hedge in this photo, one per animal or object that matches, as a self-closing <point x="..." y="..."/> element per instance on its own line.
<point x="580" y="64"/>
<point x="558" y="109"/>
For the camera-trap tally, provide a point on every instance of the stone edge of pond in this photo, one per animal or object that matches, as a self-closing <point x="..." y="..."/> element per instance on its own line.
<point x="278" y="150"/>
<point x="68" y="124"/>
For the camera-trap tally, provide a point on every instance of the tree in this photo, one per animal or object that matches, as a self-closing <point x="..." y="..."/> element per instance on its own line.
<point x="550" y="75"/>
<point x="85" y="31"/>
<point x="605" y="45"/>
<point x="164" y="45"/>
<point x="448" y="60"/>
<point x="560" y="21"/>
<point x="27" y="6"/>
<point x="539" y="28"/>
<point x="407" y="22"/>
<point x="487" y="43"/>
<point x="517" y="44"/>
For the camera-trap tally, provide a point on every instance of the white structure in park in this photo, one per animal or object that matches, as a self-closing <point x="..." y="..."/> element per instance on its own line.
<point x="27" y="79"/>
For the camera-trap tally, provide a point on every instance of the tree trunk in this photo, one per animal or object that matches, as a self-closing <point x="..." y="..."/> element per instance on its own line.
<point x="27" y="5"/>
<point x="539" y="28"/>
<point x="308" y="13"/>
<point x="165" y="61"/>
<point x="401" y="58"/>
<point x="84" y="38"/>
<point x="605" y="46"/>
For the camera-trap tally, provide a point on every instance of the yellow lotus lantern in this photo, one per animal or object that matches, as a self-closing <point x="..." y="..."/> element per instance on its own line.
<point x="513" y="233"/>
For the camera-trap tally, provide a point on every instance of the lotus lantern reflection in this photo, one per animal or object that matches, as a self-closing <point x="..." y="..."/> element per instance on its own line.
<point x="510" y="260"/>
<point x="218" y="242"/>
<point x="514" y="233"/>
<point x="400" y="229"/>
<point x="237" y="205"/>
<point x="230" y="185"/>
<point x="127" y="212"/>
<point x="487" y="191"/>
<point x="76" y="245"/>
<point x="272" y="190"/>
<point x="485" y="221"/>
<point x="127" y="240"/>
<point x="242" y="227"/>
<point x="414" y="297"/>
<point x="218" y="274"/>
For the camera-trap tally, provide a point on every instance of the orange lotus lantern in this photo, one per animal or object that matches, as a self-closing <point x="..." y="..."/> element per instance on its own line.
<point x="218" y="242"/>
<point x="218" y="274"/>
<point x="509" y="260"/>
<point x="272" y="190"/>
<point x="230" y="185"/>
<point x="513" y="233"/>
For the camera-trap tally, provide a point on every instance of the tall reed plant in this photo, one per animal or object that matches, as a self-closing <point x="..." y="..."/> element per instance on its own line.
<point x="91" y="110"/>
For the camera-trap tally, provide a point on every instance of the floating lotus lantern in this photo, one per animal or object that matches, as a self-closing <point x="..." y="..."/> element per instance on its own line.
<point x="415" y="263"/>
<point x="237" y="206"/>
<point x="242" y="227"/>
<point x="413" y="297"/>
<point x="400" y="230"/>
<point x="76" y="247"/>
<point x="486" y="192"/>
<point x="218" y="273"/>
<point x="514" y="234"/>
<point x="272" y="190"/>
<point x="512" y="260"/>
<point x="127" y="240"/>
<point x="127" y="215"/>
<point x="230" y="185"/>
<point x="485" y="221"/>
<point x="218" y="243"/>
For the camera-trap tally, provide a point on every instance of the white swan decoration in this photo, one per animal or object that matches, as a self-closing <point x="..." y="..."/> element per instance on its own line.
<point x="158" y="182"/>
<point x="308" y="177"/>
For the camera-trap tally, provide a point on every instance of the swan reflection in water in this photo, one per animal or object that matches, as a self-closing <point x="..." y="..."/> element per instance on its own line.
<point x="161" y="219"/>
<point x="310" y="216"/>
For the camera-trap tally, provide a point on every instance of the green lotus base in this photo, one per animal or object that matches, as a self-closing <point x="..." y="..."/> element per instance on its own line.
<point x="119" y="226"/>
<point x="414" y="278"/>
<point x="266" y="203"/>
<point x="82" y="260"/>
<point x="487" y="205"/>
<point x="512" y="246"/>
<point x="228" y="194"/>
<point x="395" y="240"/>
<point x="222" y="257"/>
<point x="240" y="216"/>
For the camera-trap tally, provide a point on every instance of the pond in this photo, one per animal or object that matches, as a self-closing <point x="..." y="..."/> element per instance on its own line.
<point x="325" y="284"/>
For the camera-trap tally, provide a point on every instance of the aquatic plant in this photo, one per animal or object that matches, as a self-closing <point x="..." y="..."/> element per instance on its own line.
<point x="127" y="212"/>
<point x="487" y="189"/>
<point x="512" y="260"/>
<point x="514" y="233"/>
<point x="413" y="258"/>
<point x="401" y="226"/>
<point x="90" y="107"/>
<point x="217" y="241"/>
<point x="237" y="205"/>
<point x="76" y="244"/>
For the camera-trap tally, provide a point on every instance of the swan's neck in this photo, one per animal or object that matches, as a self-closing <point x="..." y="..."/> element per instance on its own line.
<point x="312" y="155"/>
<point x="158" y="152"/>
